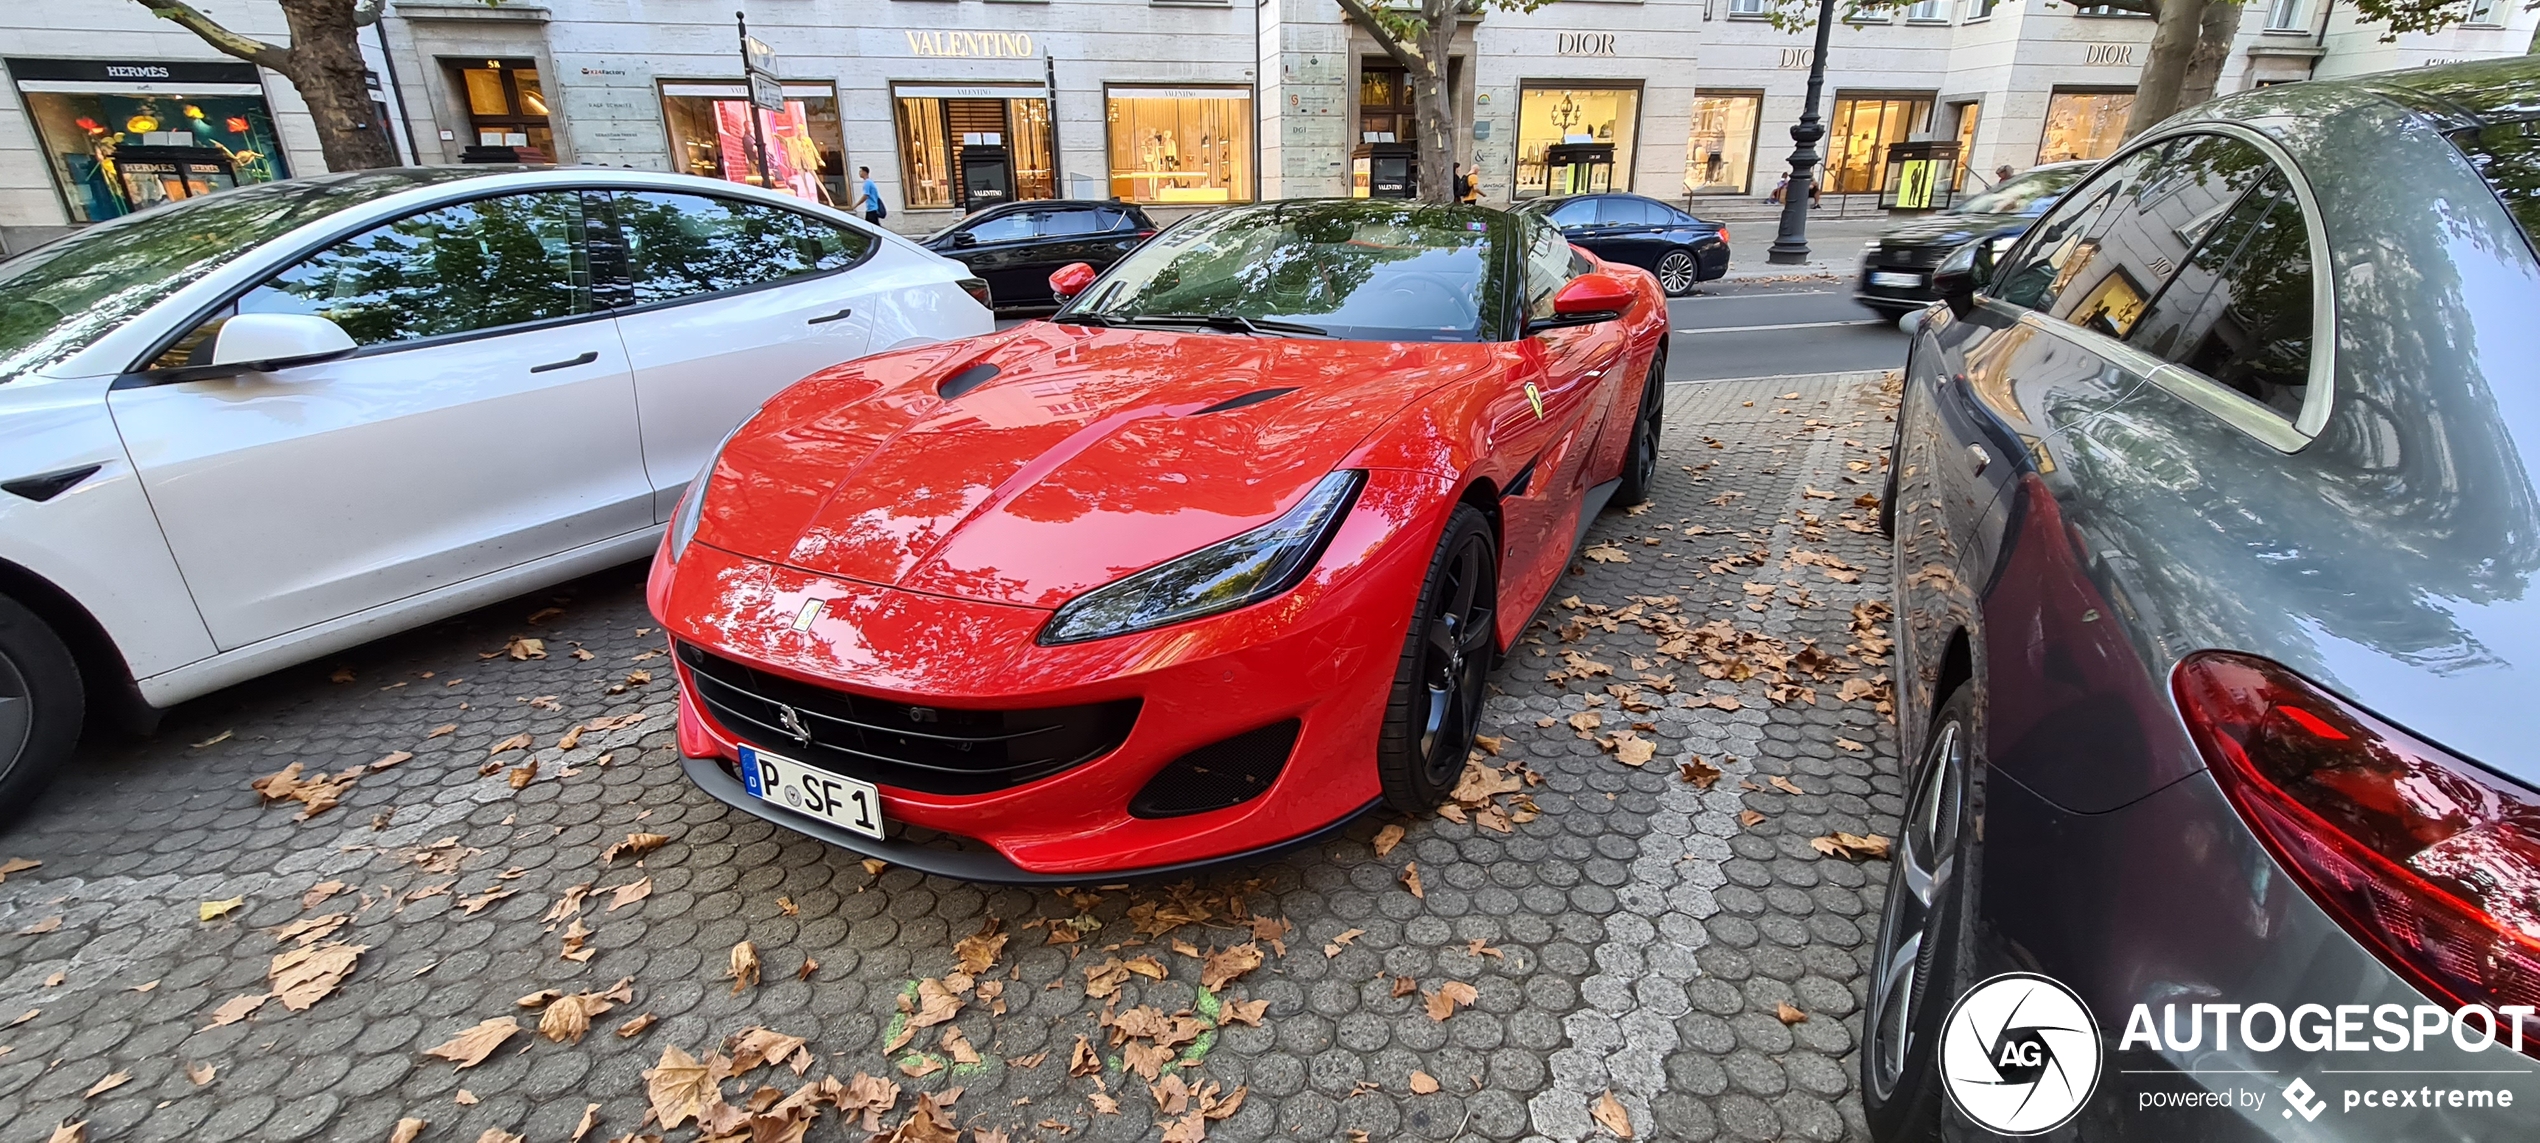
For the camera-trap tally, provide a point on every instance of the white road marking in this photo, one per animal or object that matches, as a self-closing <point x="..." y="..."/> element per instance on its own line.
<point x="1793" y="325"/>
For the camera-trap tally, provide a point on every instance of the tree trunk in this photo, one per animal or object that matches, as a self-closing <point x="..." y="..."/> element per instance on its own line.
<point x="1433" y="95"/>
<point x="2156" y="93"/>
<point x="2214" y="33"/>
<point x="325" y="63"/>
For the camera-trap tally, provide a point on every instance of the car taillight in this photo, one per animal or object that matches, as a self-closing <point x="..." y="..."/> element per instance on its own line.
<point x="1724" y="234"/>
<point x="2428" y="859"/>
<point x="977" y="288"/>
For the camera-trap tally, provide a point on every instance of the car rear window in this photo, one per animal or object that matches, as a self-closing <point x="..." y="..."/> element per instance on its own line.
<point x="2507" y="155"/>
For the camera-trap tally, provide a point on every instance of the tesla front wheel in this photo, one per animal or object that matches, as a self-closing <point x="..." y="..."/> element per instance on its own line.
<point x="1436" y="704"/>
<point x="1919" y="965"/>
<point x="1640" y="467"/>
<point x="1677" y="273"/>
<point x="40" y="706"/>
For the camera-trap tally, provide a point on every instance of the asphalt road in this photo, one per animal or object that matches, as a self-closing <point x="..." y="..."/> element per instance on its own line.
<point x="1760" y="329"/>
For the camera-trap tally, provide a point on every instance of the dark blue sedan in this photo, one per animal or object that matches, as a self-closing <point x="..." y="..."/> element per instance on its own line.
<point x="2216" y="507"/>
<point x="1677" y="247"/>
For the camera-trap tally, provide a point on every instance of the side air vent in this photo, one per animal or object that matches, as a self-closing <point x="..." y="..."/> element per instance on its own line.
<point x="1224" y="773"/>
<point x="966" y="380"/>
<point x="1255" y="397"/>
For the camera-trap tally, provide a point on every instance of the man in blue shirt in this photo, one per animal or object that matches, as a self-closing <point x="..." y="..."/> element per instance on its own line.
<point x="872" y="196"/>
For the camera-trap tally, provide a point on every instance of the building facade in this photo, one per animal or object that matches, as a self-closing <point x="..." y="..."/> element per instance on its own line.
<point x="1176" y="104"/>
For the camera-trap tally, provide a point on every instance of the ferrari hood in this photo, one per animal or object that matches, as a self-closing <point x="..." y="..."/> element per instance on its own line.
<point x="1030" y="466"/>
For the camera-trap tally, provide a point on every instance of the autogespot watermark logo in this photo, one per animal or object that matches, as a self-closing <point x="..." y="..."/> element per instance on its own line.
<point x="2020" y="1054"/>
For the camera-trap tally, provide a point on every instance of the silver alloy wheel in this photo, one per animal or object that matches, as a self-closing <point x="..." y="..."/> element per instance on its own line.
<point x="17" y="715"/>
<point x="1676" y="273"/>
<point x="1925" y="865"/>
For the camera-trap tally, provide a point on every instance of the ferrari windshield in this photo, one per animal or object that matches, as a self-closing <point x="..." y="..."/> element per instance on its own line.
<point x="1355" y="270"/>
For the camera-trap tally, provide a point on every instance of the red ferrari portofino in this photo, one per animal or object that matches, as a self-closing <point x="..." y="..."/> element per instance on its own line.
<point x="1207" y="563"/>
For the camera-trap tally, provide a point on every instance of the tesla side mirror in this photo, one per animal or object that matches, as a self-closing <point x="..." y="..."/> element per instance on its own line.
<point x="965" y="238"/>
<point x="263" y="343"/>
<point x="1071" y="279"/>
<point x="1962" y="273"/>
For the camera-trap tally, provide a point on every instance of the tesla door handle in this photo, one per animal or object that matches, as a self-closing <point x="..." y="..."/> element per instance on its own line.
<point x="1980" y="458"/>
<point x="588" y="356"/>
<point x="824" y="318"/>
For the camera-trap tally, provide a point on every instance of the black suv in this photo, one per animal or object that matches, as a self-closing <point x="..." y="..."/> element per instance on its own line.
<point x="1015" y="245"/>
<point x="1896" y="268"/>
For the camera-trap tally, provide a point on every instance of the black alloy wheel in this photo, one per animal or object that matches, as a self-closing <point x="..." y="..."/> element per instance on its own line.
<point x="1439" y="686"/>
<point x="1640" y="467"/>
<point x="1920" y="964"/>
<point x="1677" y="272"/>
<point x="40" y="706"/>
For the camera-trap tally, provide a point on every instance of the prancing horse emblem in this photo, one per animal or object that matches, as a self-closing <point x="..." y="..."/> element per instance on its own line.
<point x="792" y="721"/>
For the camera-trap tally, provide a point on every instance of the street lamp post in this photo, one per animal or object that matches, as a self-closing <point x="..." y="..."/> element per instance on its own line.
<point x="1790" y="247"/>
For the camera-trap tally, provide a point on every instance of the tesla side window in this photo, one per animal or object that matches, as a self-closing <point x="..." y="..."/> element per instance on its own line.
<point x="1015" y="227"/>
<point x="2241" y="311"/>
<point x="1061" y="222"/>
<point x="2161" y="212"/>
<point x="457" y="269"/>
<point x="685" y="245"/>
<point x="2058" y="249"/>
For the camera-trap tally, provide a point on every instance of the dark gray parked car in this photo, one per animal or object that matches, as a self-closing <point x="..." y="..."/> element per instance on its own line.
<point x="2218" y="555"/>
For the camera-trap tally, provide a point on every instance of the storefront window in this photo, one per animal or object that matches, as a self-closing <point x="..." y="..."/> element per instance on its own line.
<point x="1720" y="152"/>
<point x="1180" y="144"/>
<point x="116" y="146"/>
<point x="2084" y="124"/>
<point x="806" y="151"/>
<point x="1968" y="113"/>
<point x="1857" y="138"/>
<point x="970" y="147"/>
<point x="507" y="107"/>
<point x="1549" y="117"/>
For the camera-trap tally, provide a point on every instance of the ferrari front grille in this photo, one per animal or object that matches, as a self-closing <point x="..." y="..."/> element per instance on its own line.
<point x="930" y="749"/>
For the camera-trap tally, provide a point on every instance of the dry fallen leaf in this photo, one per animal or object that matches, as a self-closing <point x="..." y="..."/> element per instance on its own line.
<point x="110" y="1082"/>
<point x="1788" y="1014"/>
<point x="305" y="975"/>
<point x="568" y="1017"/>
<point x="1224" y="968"/>
<point x="1422" y="1083"/>
<point x="1632" y="750"/>
<point x="515" y="742"/>
<point x="1698" y="772"/>
<point x="1750" y="818"/>
<point x="1387" y="838"/>
<point x="635" y="845"/>
<point x="629" y="894"/>
<point x="408" y="1130"/>
<point x="1785" y="785"/>
<point x="679" y="1088"/>
<point x="200" y="1073"/>
<point x="635" y="1027"/>
<point x="1609" y="1114"/>
<point x="978" y="951"/>
<point x="1443" y="1002"/>
<point x="208" y="911"/>
<point x="469" y="1048"/>
<point x="1342" y="941"/>
<point x="590" y="1119"/>
<point x="1411" y="878"/>
<point x="77" y="1130"/>
<point x="53" y="923"/>
<point x="231" y="1011"/>
<point x="1851" y="846"/>
<point x="744" y="966"/>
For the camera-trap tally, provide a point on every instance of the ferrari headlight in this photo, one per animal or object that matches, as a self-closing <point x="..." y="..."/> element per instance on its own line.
<point x="692" y="506"/>
<point x="1245" y="570"/>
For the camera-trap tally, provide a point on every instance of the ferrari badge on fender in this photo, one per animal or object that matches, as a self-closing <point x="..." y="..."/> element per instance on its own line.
<point x="1534" y="397"/>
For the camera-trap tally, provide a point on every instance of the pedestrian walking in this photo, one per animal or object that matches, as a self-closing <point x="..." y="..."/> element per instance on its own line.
<point x="871" y="194"/>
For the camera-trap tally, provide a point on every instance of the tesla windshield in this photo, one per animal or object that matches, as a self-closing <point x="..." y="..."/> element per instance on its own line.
<point x="1360" y="271"/>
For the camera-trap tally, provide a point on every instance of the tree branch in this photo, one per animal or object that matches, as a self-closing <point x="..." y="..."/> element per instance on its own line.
<point x="247" y="48"/>
<point x="1399" y="35"/>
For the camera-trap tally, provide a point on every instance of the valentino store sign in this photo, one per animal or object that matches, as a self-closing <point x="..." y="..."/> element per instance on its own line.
<point x="970" y="45"/>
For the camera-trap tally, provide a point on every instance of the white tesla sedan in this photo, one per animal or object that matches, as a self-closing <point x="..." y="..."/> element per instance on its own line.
<point x="245" y="430"/>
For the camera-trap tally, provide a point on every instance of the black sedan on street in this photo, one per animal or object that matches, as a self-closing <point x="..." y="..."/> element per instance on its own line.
<point x="1014" y="246"/>
<point x="1896" y="268"/>
<point x="1679" y="248"/>
<point x="2216" y="511"/>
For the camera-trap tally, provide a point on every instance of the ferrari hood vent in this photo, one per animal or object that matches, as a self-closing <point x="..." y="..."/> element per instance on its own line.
<point x="1255" y="397"/>
<point x="966" y="380"/>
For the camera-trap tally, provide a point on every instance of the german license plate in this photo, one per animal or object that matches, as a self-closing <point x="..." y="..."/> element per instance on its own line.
<point x="834" y="798"/>
<point x="1895" y="278"/>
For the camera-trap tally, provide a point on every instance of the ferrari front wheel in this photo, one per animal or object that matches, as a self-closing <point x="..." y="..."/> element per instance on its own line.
<point x="1435" y="708"/>
<point x="1640" y="466"/>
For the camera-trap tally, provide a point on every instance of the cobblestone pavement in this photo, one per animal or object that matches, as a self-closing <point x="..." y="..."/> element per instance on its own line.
<point x="1644" y="936"/>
